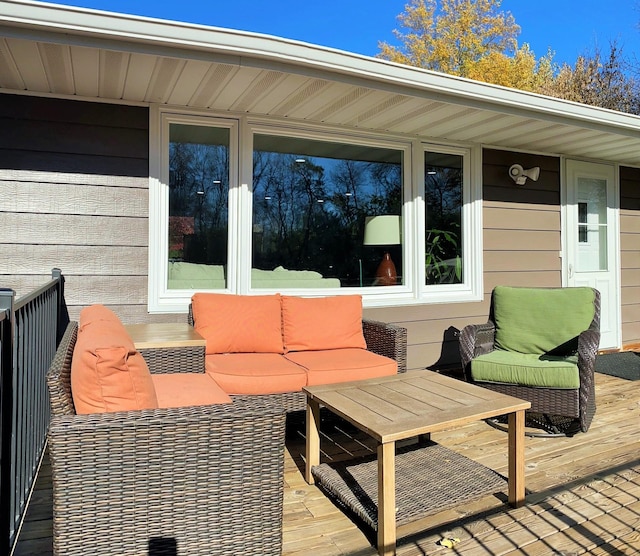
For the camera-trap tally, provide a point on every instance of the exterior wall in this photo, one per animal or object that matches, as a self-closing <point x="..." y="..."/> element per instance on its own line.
<point x="630" y="255"/>
<point x="74" y="183"/>
<point x="521" y="228"/>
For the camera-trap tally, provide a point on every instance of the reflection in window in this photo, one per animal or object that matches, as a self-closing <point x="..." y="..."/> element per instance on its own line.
<point x="443" y="230"/>
<point x="198" y="206"/>
<point x="310" y="202"/>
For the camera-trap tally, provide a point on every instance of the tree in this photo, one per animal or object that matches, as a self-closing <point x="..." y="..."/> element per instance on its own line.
<point x="597" y="80"/>
<point x="469" y="38"/>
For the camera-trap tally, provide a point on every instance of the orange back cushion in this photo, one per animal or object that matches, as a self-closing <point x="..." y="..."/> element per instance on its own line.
<point x="107" y="373"/>
<point x="238" y="323"/>
<point x="322" y="323"/>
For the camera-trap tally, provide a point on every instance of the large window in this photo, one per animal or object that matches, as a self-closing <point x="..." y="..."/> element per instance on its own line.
<point x="314" y="204"/>
<point x="248" y="207"/>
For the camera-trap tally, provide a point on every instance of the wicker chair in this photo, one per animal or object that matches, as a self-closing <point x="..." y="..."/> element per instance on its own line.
<point x="381" y="338"/>
<point x="568" y="319"/>
<point x="203" y="481"/>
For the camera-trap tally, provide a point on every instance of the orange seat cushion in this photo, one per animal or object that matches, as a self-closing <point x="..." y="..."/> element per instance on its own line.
<point x="255" y="373"/>
<point x="342" y="365"/>
<point x="238" y="323"/>
<point x="107" y="373"/>
<point x="187" y="389"/>
<point x="322" y="323"/>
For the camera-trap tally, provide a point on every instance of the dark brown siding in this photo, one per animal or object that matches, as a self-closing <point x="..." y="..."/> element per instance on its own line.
<point x="521" y="248"/>
<point x="630" y="254"/>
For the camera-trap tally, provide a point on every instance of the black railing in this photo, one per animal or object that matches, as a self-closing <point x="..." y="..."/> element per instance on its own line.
<point x="30" y="329"/>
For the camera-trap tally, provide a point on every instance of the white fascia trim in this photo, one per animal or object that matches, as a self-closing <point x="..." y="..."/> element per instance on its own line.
<point x="247" y="46"/>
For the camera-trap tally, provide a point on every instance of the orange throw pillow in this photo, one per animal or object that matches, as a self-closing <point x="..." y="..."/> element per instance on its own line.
<point x="238" y="323"/>
<point x="322" y="323"/>
<point x="107" y="373"/>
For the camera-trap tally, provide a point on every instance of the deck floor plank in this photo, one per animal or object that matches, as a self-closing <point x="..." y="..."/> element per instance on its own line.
<point x="583" y="493"/>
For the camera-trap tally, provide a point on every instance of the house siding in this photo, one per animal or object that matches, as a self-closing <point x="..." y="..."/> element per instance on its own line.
<point x="74" y="182"/>
<point x="630" y="255"/>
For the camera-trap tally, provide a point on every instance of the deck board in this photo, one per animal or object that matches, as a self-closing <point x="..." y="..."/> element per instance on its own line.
<point x="583" y="492"/>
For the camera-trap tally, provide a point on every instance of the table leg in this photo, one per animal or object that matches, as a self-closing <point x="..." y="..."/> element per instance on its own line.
<point x="313" y="439"/>
<point x="516" y="459"/>
<point x="387" y="499"/>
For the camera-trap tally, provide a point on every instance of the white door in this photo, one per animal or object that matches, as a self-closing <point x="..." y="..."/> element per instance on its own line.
<point x="591" y="246"/>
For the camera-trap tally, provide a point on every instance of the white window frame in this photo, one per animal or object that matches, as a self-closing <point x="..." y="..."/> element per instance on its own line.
<point x="471" y="288"/>
<point x="413" y="291"/>
<point x="160" y="298"/>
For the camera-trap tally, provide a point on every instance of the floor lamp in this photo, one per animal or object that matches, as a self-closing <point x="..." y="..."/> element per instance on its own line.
<point x="383" y="230"/>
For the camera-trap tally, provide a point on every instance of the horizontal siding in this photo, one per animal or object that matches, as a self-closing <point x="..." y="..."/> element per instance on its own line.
<point x="630" y="254"/>
<point x="74" y="182"/>
<point x="74" y="260"/>
<point x="82" y="197"/>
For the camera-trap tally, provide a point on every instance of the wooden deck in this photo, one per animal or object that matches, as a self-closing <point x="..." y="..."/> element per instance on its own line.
<point x="583" y="493"/>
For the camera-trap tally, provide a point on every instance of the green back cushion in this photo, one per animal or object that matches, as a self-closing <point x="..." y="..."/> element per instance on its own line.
<point x="541" y="320"/>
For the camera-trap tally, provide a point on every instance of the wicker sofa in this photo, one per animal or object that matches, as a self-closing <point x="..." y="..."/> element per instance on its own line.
<point x="379" y="342"/>
<point x="200" y="480"/>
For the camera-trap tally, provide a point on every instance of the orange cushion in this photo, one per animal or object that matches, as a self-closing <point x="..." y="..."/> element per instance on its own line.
<point x="238" y="323"/>
<point x="107" y="373"/>
<point x="95" y="313"/>
<point x="255" y="373"/>
<point x="187" y="389"/>
<point x="322" y="323"/>
<point x="342" y="365"/>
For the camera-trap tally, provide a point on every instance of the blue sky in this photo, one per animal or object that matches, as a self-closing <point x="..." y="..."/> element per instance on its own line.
<point x="568" y="27"/>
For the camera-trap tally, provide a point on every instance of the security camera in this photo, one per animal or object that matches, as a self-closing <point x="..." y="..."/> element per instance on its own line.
<point x="520" y="175"/>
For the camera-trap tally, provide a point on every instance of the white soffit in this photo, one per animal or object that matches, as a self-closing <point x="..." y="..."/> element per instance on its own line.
<point x="71" y="52"/>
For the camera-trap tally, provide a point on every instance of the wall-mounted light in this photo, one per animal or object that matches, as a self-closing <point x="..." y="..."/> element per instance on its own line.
<point x="520" y="175"/>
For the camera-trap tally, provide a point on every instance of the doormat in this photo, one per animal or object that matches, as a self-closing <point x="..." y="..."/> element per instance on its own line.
<point x="625" y="364"/>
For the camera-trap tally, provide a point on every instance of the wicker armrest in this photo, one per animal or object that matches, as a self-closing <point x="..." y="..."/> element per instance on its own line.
<point x="388" y="340"/>
<point x="475" y="339"/>
<point x="207" y="478"/>
<point x="588" y="343"/>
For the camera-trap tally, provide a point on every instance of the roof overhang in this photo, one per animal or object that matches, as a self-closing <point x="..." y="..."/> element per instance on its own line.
<point x="67" y="52"/>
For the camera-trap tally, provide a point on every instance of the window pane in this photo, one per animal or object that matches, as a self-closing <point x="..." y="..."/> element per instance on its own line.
<point x="310" y="202"/>
<point x="443" y="233"/>
<point x="198" y="206"/>
<point x="592" y="225"/>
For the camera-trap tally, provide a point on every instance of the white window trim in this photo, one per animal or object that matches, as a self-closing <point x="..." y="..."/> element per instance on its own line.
<point x="411" y="292"/>
<point x="160" y="298"/>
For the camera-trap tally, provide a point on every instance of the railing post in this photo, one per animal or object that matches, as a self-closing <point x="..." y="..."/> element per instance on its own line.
<point x="7" y="340"/>
<point x="63" y="313"/>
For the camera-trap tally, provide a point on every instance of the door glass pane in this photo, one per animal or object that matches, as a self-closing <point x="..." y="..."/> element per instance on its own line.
<point x="592" y="224"/>
<point x="311" y="201"/>
<point x="443" y="233"/>
<point x="198" y="207"/>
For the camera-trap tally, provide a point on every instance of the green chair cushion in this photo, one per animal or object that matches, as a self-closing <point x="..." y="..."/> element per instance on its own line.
<point x="541" y="320"/>
<point x="526" y="369"/>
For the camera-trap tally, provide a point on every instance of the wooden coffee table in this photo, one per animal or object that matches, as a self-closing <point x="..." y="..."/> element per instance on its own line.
<point x="416" y="403"/>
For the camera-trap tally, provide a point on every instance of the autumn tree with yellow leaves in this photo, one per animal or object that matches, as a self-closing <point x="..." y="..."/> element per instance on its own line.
<point x="469" y="38"/>
<point x="474" y="39"/>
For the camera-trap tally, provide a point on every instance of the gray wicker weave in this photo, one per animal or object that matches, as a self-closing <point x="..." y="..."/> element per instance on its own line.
<point x="563" y="411"/>
<point x="202" y="481"/>
<point x="429" y="479"/>
<point x="381" y="338"/>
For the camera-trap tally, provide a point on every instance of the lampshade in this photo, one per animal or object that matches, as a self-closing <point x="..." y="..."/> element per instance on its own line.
<point x="382" y="230"/>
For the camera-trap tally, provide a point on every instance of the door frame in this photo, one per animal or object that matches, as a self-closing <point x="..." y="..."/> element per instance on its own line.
<point x="613" y="222"/>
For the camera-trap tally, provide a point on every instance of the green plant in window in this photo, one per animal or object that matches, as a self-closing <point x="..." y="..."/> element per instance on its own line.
<point x="443" y="264"/>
